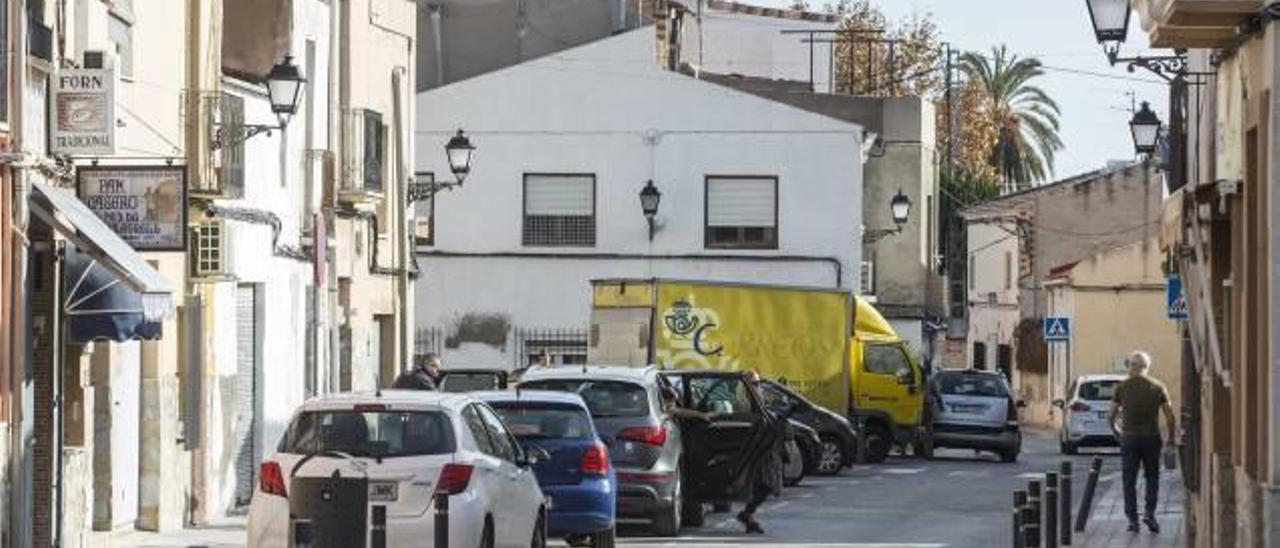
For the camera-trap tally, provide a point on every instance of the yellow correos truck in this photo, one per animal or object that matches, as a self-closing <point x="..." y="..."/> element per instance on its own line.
<point x="831" y="346"/>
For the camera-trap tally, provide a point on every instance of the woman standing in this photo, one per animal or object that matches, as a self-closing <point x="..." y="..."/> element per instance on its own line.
<point x="764" y="468"/>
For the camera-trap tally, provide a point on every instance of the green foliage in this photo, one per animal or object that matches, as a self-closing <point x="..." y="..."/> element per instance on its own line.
<point x="1026" y="118"/>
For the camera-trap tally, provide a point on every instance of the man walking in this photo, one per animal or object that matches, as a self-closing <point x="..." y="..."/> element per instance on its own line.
<point x="1137" y="404"/>
<point x="425" y="375"/>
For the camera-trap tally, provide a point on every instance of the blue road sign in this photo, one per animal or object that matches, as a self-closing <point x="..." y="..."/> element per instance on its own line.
<point x="1175" y="299"/>
<point x="1057" y="328"/>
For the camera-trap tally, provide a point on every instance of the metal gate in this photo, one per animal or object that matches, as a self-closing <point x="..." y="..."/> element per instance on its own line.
<point x="245" y="420"/>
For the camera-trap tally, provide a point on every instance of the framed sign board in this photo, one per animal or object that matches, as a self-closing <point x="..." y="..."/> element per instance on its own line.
<point x="145" y="205"/>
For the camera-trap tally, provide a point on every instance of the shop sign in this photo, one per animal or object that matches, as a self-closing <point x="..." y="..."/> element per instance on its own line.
<point x="145" y="205"/>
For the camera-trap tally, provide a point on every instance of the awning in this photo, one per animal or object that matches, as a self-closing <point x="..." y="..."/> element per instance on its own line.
<point x="99" y="306"/>
<point x="105" y="252"/>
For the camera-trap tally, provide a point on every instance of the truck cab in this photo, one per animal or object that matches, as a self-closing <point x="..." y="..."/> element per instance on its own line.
<point x="887" y="387"/>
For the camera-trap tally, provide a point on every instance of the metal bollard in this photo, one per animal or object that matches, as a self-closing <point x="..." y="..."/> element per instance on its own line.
<point x="1051" y="510"/>
<point x="1064" y="499"/>
<point x="442" y="521"/>
<point x="1035" y="501"/>
<point x="1086" y="500"/>
<point x="1019" y="504"/>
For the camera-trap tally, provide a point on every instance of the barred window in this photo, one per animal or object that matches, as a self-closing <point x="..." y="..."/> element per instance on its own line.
<point x="742" y="212"/>
<point x="373" y="150"/>
<point x="560" y="210"/>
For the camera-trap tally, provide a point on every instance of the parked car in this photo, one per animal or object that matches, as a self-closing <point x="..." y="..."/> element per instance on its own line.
<point x="349" y="462"/>
<point x="718" y="451"/>
<point x="645" y="445"/>
<point x="1084" y="413"/>
<point x="472" y="380"/>
<point x="839" y="440"/>
<point x="580" y="485"/>
<point x="975" y="410"/>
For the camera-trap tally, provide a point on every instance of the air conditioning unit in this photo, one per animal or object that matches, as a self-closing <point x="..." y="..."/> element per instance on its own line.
<point x="867" y="286"/>
<point x="210" y="253"/>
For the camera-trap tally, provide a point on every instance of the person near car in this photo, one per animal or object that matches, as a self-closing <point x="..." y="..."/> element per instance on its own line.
<point x="1136" y="407"/>
<point x="671" y="406"/>
<point x="424" y="375"/>
<point x="763" y="468"/>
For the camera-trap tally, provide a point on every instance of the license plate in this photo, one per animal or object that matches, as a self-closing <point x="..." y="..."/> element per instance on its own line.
<point x="381" y="491"/>
<point x="970" y="409"/>
<point x="1102" y="415"/>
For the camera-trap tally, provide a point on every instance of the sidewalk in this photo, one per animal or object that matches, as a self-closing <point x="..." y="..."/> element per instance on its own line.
<point x="1107" y="525"/>
<point x="223" y="533"/>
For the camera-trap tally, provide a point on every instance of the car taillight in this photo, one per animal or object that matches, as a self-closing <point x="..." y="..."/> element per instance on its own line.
<point x="595" y="461"/>
<point x="271" y="479"/>
<point x="649" y="435"/>
<point x="454" y="479"/>
<point x="1012" y="414"/>
<point x="1079" y="406"/>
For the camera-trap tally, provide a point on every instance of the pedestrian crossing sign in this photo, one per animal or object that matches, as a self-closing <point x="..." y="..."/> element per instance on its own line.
<point x="1175" y="298"/>
<point x="1057" y="328"/>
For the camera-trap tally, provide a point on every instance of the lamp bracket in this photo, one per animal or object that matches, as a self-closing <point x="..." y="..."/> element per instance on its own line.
<point x="1167" y="67"/>
<point x="873" y="235"/>
<point x="239" y="135"/>
<point x="420" y="191"/>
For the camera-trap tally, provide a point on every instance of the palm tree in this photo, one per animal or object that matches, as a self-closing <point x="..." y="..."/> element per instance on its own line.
<point x="1025" y="116"/>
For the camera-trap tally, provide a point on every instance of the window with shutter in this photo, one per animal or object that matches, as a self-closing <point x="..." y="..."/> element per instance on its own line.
<point x="559" y="210"/>
<point x="373" y="151"/>
<point x="742" y="212"/>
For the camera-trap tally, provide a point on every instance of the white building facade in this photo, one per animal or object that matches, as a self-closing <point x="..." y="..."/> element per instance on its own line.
<point x="752" y="191"/>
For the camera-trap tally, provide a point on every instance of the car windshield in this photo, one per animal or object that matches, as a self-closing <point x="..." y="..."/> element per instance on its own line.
<point x="545" y="420"/>
<point x="971" y="385"/>
<point x="1098" y="390"/>
<point x="469" y="382"/>
<point x="369" y="434"/>
<point x="605" y="399"/>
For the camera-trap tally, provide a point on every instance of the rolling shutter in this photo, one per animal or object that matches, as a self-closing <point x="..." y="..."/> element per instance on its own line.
<point x="741" y="202"/>
<point x="559" y="195"/>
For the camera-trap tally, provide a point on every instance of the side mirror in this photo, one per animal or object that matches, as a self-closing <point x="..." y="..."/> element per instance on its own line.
<point x="1023" y="403"/>
<point x="906" y="376"/>
<point x="1056" y="403"/>
<point x="534" y="455"/>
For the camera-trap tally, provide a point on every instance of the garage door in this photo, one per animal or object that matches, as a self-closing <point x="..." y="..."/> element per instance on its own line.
<point x="245" y="420"/>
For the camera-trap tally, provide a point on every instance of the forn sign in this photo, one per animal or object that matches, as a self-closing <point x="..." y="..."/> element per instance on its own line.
<point x="84" y="107"/>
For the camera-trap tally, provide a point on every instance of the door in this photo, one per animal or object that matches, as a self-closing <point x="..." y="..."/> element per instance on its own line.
<point x="125" y="387"/>
<point x="385" y="349"/>
<point x="717" y="451"/>
<point x="517" y="500"/>
<point x="245" y="422"/>
<point x="489" y="478"/>
<point x="890" y="383"/>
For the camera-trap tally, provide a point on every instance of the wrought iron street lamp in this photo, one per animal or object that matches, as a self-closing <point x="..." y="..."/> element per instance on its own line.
<point x="1145" y="127"/>
<point x="284" y="90"/>
<point x="459" y="152"/>
<point x="900" y="208"/>
<point x="650" y="196"/>
<point x="1110" y="20"/>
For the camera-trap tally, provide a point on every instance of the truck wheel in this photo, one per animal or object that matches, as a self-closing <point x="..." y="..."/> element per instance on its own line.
<point x="879" y="443"/>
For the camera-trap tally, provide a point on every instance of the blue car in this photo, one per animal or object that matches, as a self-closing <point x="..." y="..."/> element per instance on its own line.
<point x="578" y="480"/>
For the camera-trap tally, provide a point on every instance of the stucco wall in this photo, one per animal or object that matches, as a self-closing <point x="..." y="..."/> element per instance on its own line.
<point x="991" y="321"/>
<point x="626" y="121"/>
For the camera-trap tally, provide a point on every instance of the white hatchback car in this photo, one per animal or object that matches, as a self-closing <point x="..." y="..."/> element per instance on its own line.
<point x="1084" y="414"/>
<point x="395" y="451"/>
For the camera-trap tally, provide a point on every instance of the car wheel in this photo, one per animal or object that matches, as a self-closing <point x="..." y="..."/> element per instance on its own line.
<point x="1069" y="448"/>
<point x="486" y="536"/>
<point x="604" y="539"/>
<point x="667" y="523"/>
<point x="878" y="443"/>
<point x="831" y="458"/>
<point x="693" y="514"/>
<point x="1009" y="456"/>
<point x="539" y="539"/>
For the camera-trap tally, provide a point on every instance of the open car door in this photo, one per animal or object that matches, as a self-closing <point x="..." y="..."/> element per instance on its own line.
<point x="717" y="452"/>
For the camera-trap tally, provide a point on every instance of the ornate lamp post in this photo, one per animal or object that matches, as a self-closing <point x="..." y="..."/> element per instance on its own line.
<point x="900" y="208"/>
<point x="459" y="151"/>
<point x="649" y="199"/>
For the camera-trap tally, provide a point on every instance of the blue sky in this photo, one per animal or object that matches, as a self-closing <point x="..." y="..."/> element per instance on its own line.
<point x="1095" y="113"/>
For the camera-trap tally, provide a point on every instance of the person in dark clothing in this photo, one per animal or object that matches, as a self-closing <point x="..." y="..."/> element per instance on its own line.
<point x="763" y="469"/>
<point x="1137" y="404"/>
<point x="425" y="375"/>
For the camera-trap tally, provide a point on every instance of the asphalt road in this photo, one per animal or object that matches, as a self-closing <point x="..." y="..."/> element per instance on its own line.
<point x="956" y="500"/>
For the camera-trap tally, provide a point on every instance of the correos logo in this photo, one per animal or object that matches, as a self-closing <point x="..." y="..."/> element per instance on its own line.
<point x="684" y="321"/>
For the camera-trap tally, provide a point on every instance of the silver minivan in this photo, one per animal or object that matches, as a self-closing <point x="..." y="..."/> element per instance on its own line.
<point x="975" y="409"/>
<point x="644" y="443"/>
